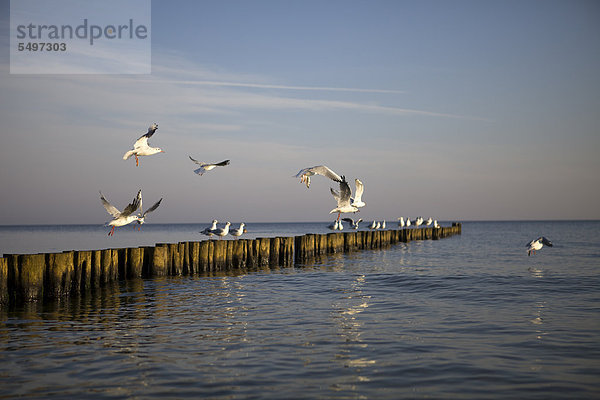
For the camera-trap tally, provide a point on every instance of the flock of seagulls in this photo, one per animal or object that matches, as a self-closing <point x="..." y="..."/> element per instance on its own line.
<point x="345" y="202"/>
<point x="214" y="230"/>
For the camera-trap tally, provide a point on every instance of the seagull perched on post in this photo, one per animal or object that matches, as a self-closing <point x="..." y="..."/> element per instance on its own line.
<point x="343" y="199"/>
<point x="537" y="244"/>
<point x="142" y="215"/>
<point x="221" y="232"/>
<point x="305" y="174"/>
<point x="210" y="231"/>
<point x="401" y="222"/>
<point x="204" y="167"/>
<point x="238" y="232"/>
<point x="141" y="148"/>
<point x="122" y="218"/>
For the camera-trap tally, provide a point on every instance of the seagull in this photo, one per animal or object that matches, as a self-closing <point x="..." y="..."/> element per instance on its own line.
<point x="305" y="174"/>
<point x="122" y="218"/>
<point x="401" y="222"/>
<point x="378" y="225"/>
<point x="141" y="148"/>
<point x="435" y="224"/>
<point x="238" y="232"/>
<point x="343" y="199"/>
<point x="142" y="215"/>
<point x="210" y="231"/>
<point x="418" y="221"/>
<point x="334" y="226"/>
<point x="204" y="167"/>
<point x="537" y="244"/>
<point x="352" y="223"/>
<point x="429" y="221"/>
<point x="221" y="232"/>
<point x="359" y="189"/>
<point x="373" y="225"/>
<point x="383" y="225"/>
<point x="407" y="222"/>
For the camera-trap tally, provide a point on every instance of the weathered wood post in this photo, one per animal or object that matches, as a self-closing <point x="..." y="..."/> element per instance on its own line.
<point x="193" y="258"/>
<point x="274" y="247"/>
<point x="219" y="255"/>
<point x="3" y="281"/>
<point x="238" y="257"/>
<point x="26" y="276"/>
<point x="135" y="262"/>
<point x="60" y="274"/>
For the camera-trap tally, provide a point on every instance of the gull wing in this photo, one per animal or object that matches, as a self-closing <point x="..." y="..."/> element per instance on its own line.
<point x="546" y="241"/>
<point x="134" y="205"/>
<point x="154" y="207"/>
<point x="196" y="161"/>
<point x="112" y="210"/>
<point x="222" y="163"/>
<point x="358" y="192"/>
<point x="343" y="197"/>
<point x="349" y="220"/>
<point x="319" y="170"/>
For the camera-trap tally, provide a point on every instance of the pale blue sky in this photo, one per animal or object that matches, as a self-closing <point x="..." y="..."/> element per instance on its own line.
<point x="457" y="110"/>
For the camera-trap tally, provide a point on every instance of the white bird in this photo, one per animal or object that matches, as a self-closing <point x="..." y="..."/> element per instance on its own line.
<point x="142" y="215"/>
<point x="141" y="148"/>
<point x="238" y="232"/>
<point x="359" y="189"/>
<point x="418" y="221"/>
<point x="407" y="222"/>
<point x="343" y="199"/>
<point x="210" y="231"/>
<point x="121" y="218"/>
<point x="378" y="225"/>
<point x="207" y="166"/>
<point x="383" y="225"/>
<point x="334" y="226"/>
<point x="221" y="232"/>
<point x="429" y="221"/>
<point x="305" y="174"/>
<point x="373" y="225"/>
<point x="352" y="223"/>
<point x="435" y="224"/>
<point x="537" y="244"/>
<point x="401" y="222"/>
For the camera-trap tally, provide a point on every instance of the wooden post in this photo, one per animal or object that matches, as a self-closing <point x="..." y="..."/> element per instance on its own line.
<point x="219" y="255"/>
<point x="3" y="281"/>
<point x="26" y="276"/>
<point x="60" y="274"/>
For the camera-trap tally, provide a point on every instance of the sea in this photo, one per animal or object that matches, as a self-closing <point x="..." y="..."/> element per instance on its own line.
<point x="466" y="317"/>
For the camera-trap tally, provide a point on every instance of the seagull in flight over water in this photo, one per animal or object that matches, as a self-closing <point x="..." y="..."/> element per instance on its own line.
<point x="141" y="148"/>
<point x="204" y="167"/>
<point x="343" y="199"/>
<point x="537" y="244"/>
<point x="305" y="174"/>
<point x="142" y="215"/>
<point x="126" y="216"/>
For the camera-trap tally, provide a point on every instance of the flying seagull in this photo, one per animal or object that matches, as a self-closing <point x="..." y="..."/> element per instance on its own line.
<point x="204" y="167"/>
<point x="359" y="189"/>
<point x="353" y="223"/>
<point x="305" y="174"/>
<point x="537" y="244"/>
<point x="142" y="214"/>
<point x="122" y="218"/>
<point x="343" y="199"/>
<point x="141" y="148"/>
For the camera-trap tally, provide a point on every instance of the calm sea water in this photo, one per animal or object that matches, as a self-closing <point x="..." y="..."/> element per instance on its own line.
<point x="471" y="316"/>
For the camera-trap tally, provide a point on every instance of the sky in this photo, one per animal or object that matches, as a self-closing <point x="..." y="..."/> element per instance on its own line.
<point x="458" y="110"/>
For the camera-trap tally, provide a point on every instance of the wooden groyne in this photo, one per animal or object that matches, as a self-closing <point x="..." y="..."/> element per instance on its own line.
<point x="35" y="277"/>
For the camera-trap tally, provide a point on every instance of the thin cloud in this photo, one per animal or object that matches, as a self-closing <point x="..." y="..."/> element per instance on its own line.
<point x="281" y="87"/>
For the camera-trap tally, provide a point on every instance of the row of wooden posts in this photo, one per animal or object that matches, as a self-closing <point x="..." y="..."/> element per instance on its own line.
<point x="34" y="277"/>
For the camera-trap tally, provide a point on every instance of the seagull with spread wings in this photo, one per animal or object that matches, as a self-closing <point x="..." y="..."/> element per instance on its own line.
<point x="125" y="217"/>
<point x="353" y="223"/>
<point x="305" y="174"/>
<point x="141" y="147"/>
<point x="343" y="199"/>
<point x="204" y="167"/>
<point x="537" y="244"/>
<point x="142" y="214"/>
